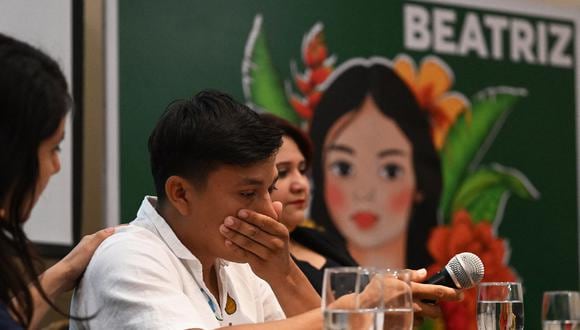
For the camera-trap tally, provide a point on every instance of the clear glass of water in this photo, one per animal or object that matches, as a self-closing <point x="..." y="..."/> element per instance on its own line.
<point x="397" y="299"/>
<point x="500" y="306"/>
<point x="561" y="310"/>
<point x="366" y="299"/>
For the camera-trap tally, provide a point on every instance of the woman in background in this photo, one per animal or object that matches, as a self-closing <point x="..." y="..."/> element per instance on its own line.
<point x="310" y="247"/>
<point x="34" y="103"/>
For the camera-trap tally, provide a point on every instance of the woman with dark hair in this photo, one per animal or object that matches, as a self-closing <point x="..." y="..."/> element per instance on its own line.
<point x="376" y="171"/>
<point x="34" y="104"/>
<point x="312" y="250"/>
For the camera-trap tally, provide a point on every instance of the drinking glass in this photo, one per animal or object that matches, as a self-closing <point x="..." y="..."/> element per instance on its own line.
<point x="500" y="306"/>
<point x="397" y="299"/>
<point x="366" y="299"/>
<point x="561" y="310"/>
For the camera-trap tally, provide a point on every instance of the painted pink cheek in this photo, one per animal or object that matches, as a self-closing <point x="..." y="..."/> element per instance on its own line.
<point x="334" y="197"/>
<point x="400" y="202"/>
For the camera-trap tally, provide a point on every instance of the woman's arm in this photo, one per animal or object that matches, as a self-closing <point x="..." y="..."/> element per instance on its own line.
<point x="63" y="276"/>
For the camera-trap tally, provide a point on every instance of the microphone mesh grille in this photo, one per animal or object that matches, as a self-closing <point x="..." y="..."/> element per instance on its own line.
<point x="467" y="269"/>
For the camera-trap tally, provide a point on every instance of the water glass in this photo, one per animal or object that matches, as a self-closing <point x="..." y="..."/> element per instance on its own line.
<point x="500" y="306"/>
<point x="366" y="299"/>
<point x="561" y="310"/>
<point x="397" y="299"/>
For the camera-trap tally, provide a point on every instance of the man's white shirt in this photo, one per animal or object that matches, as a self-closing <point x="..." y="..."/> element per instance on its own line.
<point x="143" y="277"/>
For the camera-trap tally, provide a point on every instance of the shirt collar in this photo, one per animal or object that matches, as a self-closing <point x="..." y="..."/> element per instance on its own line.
<point x="148" y="212"/>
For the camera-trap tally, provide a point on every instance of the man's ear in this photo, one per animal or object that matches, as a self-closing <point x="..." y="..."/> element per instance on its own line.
<point x="178" y="192"/>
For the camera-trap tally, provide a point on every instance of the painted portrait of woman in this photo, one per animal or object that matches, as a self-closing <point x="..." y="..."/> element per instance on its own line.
<point x="376" y="172"/>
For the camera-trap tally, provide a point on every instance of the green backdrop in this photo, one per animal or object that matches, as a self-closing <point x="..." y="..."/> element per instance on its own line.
<point x="171" y="49"/>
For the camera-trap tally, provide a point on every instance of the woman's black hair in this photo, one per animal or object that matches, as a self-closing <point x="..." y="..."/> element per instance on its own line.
<point x="345" y="91"/>
<point x="295" y="133"/>
<point x="33" y="102"/>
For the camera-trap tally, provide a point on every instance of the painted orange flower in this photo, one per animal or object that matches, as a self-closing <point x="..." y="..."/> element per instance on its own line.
<point x="431" y="84"/>
<point x="465" y="236"/>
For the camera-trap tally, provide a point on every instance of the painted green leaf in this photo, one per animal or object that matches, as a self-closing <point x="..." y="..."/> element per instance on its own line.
<point x="484" y="193"/>
<point x="469" y="138"/>
<point x="263" y="88"/>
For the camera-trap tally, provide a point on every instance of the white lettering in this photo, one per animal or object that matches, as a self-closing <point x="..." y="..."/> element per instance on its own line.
<point x="497" y="25"/>
<point x="417" y="34"/>
<point x="443" y="20"/>
<point x="472" y="37"/>
<point x="563" y="36"/>
<point x="537" y="41"/>
<point x="522" y="40"/>
<point x="541" y="43"/>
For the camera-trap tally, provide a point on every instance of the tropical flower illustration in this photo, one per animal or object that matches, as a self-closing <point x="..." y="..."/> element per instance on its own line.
<point x="318" y="65"/>
<point x="466" y="235"/>
<point x="431" y="84"/>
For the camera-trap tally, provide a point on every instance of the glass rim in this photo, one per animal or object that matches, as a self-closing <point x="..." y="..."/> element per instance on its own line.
<point x="499" y="283"/>
<point x="568" y="292"/>
<point x="366" y="269"/>
<point x="343" y="269"/>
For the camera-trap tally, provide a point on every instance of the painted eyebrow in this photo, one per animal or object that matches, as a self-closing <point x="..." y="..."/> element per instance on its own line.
<point x="341" y="148"/>
<point x="390" y="152"/>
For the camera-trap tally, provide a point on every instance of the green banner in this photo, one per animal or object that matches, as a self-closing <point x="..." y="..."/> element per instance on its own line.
<point x="483" y="98"/>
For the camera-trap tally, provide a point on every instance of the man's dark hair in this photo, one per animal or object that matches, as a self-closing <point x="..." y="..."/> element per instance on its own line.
<point x="293" y="132"/>
<point x="195" y="136"/>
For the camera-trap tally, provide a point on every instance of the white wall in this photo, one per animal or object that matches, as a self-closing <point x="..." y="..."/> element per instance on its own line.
<point x="48" y="25"/>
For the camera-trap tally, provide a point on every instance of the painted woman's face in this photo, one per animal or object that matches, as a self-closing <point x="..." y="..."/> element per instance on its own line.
<point x="293" y="187"/>
<point x="369" y="183"/>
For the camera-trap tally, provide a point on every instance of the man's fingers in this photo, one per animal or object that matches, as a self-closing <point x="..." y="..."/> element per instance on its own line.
<point x="265" y="223"/>
<point x="252" y="244"/>
<point x="242" y="253"/>
<point x="254" y="233"/>
<point x="278" y="207"/>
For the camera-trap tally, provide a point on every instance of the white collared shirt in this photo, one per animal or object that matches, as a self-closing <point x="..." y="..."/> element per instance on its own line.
<point x="143" y="277"/>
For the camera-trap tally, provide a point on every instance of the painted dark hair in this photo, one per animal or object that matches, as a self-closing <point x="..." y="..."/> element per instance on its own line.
<point x="33" y="101"/>
<point x="344" y="92"/>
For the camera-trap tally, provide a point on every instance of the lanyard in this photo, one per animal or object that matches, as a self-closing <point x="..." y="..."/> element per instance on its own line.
<point x="212" y="305"/>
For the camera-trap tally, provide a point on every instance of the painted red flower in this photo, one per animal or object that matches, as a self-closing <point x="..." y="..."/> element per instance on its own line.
<point x="463" y="235"/>
<point x="318" y="66"/>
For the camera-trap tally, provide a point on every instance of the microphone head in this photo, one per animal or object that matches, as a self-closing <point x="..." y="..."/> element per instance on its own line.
<point x="466" y="270"/>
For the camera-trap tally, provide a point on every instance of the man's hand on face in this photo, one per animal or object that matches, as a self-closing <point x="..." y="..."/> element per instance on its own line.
<point x="259" y="240"/>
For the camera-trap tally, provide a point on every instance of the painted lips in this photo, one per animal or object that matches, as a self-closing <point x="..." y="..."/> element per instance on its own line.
<point x="365" y="220"/>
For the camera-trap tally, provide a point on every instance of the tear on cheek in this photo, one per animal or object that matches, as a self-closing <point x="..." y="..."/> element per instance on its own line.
<point x="400" y="203"/>
<point x="334" y="197"/>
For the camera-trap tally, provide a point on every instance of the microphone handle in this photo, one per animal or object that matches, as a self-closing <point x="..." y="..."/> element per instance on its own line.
<point x="441" y="278"/>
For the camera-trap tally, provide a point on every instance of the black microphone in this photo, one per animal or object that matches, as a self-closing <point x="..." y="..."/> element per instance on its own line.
<point x="465" y="270"/>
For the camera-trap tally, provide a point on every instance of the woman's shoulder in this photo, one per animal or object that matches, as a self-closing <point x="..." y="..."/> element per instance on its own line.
<point x="6" y="322"/>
